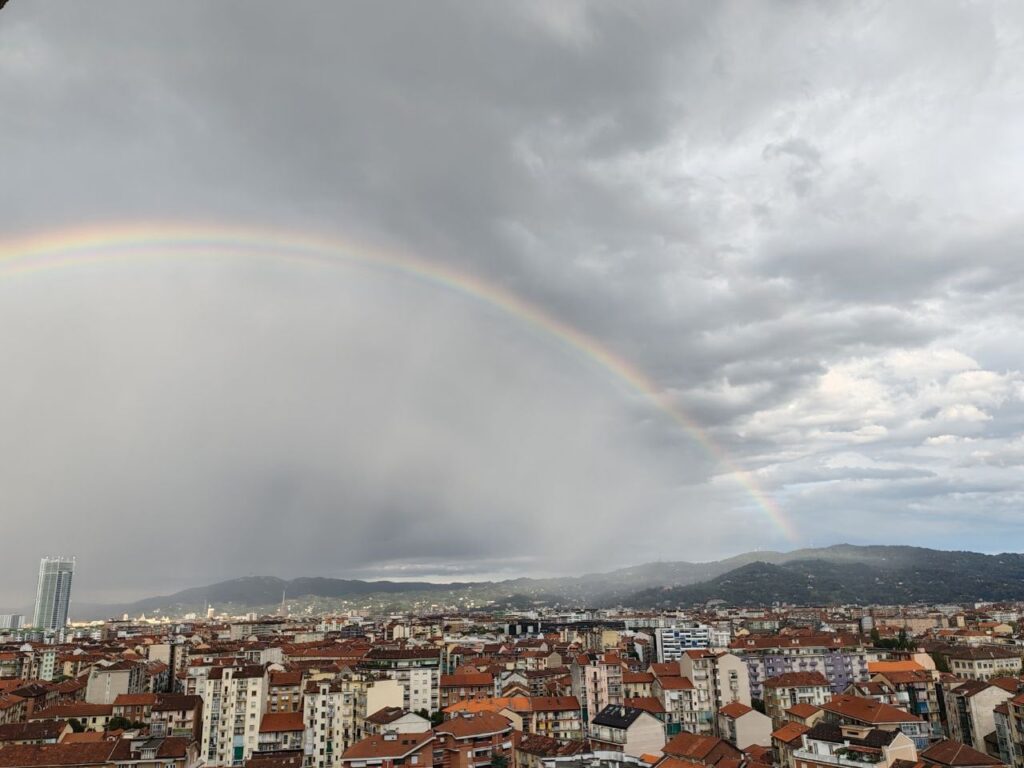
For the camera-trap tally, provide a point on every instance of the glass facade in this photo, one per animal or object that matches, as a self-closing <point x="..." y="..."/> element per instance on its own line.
<point x="53" y="593"/>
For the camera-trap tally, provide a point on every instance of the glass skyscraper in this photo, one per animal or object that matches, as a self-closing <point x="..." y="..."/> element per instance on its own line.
<point x="53" y="594"/>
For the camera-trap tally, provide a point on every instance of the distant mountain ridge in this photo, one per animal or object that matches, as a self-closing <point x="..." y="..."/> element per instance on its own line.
<point x="842" y="573"/>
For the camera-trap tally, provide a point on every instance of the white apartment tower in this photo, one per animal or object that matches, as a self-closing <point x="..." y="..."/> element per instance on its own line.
<point x="234" y="702"/>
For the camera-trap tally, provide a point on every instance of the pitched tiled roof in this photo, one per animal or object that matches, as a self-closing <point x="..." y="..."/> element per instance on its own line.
<point x="379" y="747"/>
<point x="77" y="709"/>
<point x="675" y="683"/>
<point x="467" y="680"/>
<point x="549" y="704"/>
<point x="790" y="732"/>
<point x="953" y="753"/>
<point x="796" y="680"/>
<point x="638" y="678"/>
<point x="177" y="702"/>
<point x="969" y="653"/>
<point x="876" y="737"/>
<point x="1009" y="684"/>
<point x="735" y="709"/>
<point x="46" y="755"/>
<point x="692" y="746"/>
<point x="515" y="703"/>
<point x="802" y="710"/>
<point x="135" y="700"/>
<point x="34" y="730"/>
<point x="277" y="722"/>
<point x="544" y="746"/>
<point x="286" y="678"/>
<point x="758" y="642"/>
<point x="479" y="724"/>
<point x="385" y="715"/>
<point x="971" y="688"/>
<point x="868" y="710"/>
<point x="650" y="704"/>
<point x="908" y="676"/>
<point x="876" y="667"/>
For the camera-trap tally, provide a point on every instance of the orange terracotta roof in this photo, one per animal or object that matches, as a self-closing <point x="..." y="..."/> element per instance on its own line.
<point x="650" y="704"/>
<point x="546" y="704"/>
<point x="517" y="703"/>
<point x="875" y="667"/>
<point x="790" y="732"/>
<point x="468" y="680"/>
<point x="868" y="710"/>
<point x="735" y="709"/>
<point x="675" y="683"/>
<point x="953" y="753"/>
<point x="693" y="746"/>
<point x="797" y="680"/>
<point x="278" y="722"/>
<point x="378" y="747"/>
<point x="472" y="726"/>
<point x="135" y="700"/>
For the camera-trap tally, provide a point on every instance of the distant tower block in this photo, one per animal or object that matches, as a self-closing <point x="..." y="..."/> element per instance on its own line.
<point x="53" y="593"/>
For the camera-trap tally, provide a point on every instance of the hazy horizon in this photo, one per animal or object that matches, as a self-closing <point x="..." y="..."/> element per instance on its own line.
<point x="519" y="288"/>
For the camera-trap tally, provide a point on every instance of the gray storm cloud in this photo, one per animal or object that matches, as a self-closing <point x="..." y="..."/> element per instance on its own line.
<point x="802" y="222"/>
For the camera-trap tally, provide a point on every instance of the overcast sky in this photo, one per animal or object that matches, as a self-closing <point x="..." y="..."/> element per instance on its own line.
<point x="802" y="221"/>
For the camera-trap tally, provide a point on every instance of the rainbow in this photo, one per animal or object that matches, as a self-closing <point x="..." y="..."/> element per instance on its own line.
<point x="100" y="244"/>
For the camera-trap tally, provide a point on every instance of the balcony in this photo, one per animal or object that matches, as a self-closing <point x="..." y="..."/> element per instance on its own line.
<point x="843" y="757"/>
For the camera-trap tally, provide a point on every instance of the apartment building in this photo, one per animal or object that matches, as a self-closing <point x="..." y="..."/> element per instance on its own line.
<point x="558" y="717"/>
<point x="684" y="709"/>
<point x="830" y="745"/>
<point x="413" y="750"/>
<point x="285" y="692"/>
<point x="107" y="682"/>
<point x="234" y="702"/>
<point x="743" y="726"/>
<point x="790" y="688"/>
<point x="917" y="693"/>
<point x="984" y="663"/>
<point x="672" y="642"/>
<point x="627" y="730"/>
<point x="465" y="686"/>
<point x="417" y="670"/>
<point x="720" y="678"/>
<point x="843" y="710"/>
<point x="472" y="740"/>
<point x="694" y="749"/>
<point x="842" y="659"/>
<point x="335" y="713"/>
<point x="970" y="711"/>
<point x="597" y="682"/>
<point x="280" y="732"/>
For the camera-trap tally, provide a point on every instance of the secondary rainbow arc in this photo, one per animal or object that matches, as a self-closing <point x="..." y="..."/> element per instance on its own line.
<point x="99" y="244"/>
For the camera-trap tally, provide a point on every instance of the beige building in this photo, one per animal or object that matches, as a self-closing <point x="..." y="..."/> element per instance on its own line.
<point x="970" y="711"/>
<point x="984" y="663"/>
<point x="743" y="726"/>
<point x="106" y="683"/>
<point x="828" y="745"/>
<point x="627" y="730"/>
<point x="720" y="677"/>
<point x="791" y="688"/>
